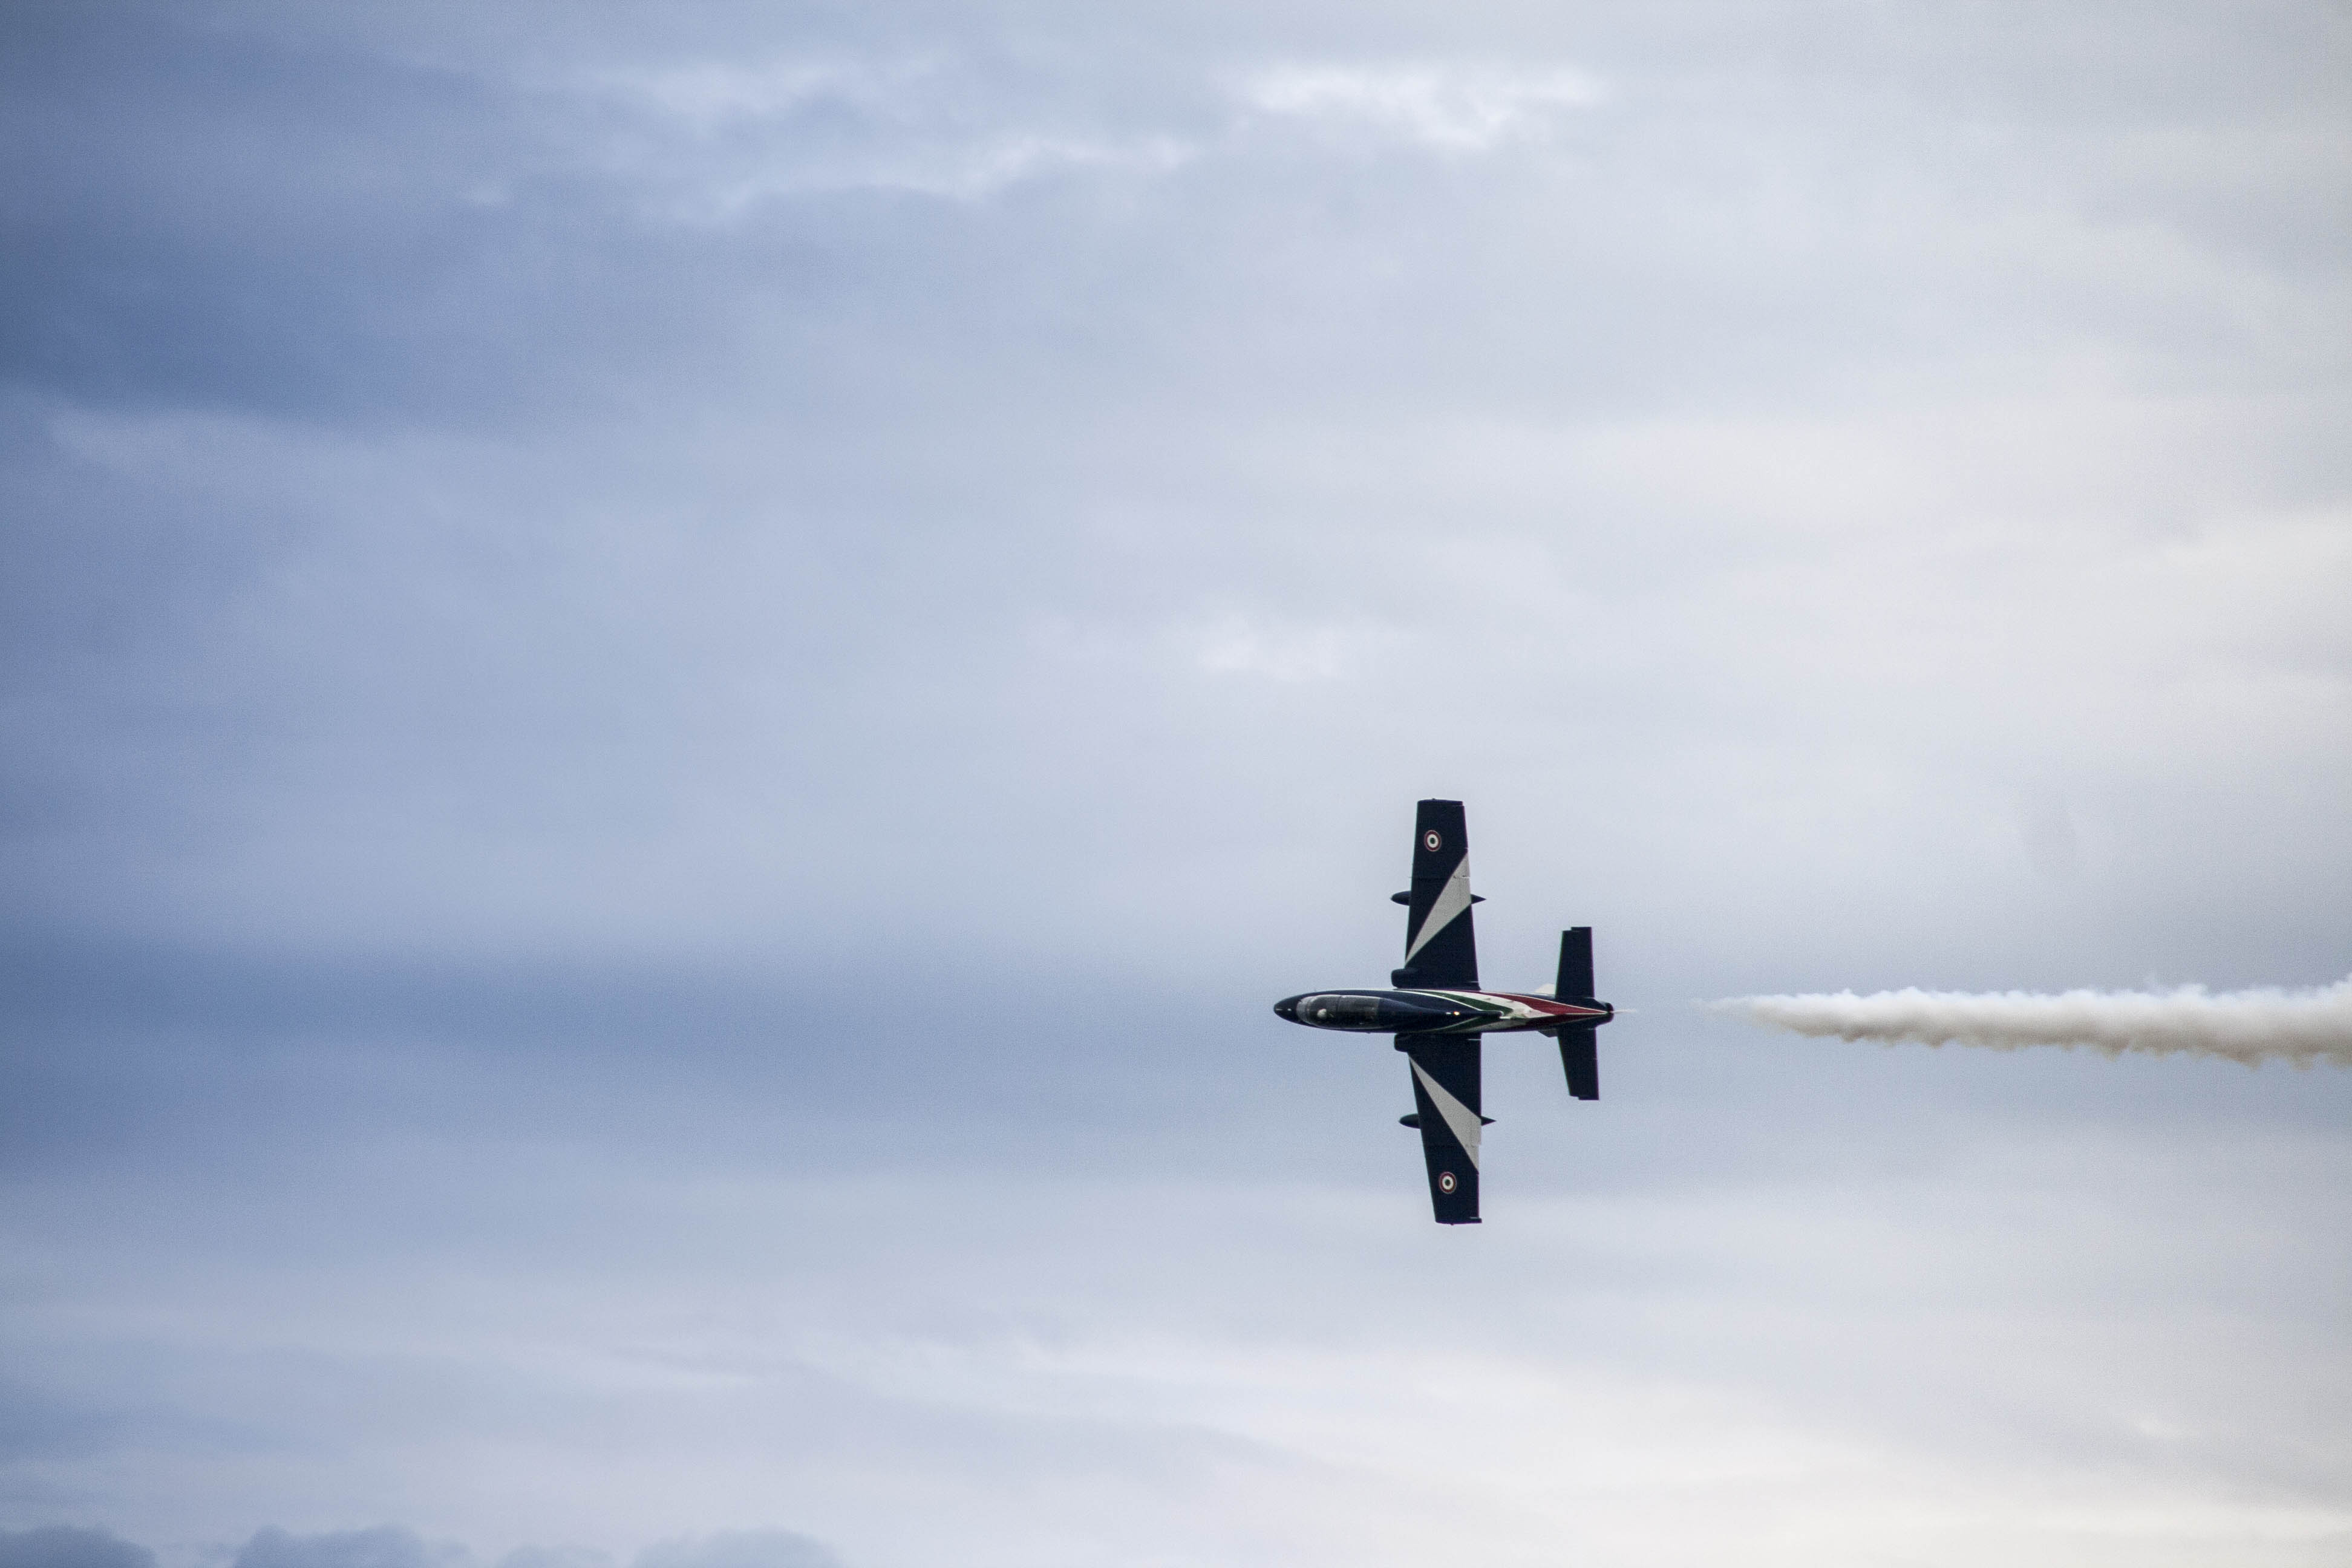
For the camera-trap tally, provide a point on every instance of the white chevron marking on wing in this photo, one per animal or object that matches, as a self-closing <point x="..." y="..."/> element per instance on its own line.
<point x="1452" y="899"/>
<point x="1463" y="1121"/>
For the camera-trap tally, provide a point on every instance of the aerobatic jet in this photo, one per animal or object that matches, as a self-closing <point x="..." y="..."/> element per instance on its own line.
<point x="1437" y="1012"/>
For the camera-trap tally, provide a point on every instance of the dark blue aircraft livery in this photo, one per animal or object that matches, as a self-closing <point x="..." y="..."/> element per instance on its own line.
<point x="1437" y="1011"/>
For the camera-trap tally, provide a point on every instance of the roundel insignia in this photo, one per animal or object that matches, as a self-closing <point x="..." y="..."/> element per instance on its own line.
<point x="1429" y="840"/>
<point x="1444" y="1178"/>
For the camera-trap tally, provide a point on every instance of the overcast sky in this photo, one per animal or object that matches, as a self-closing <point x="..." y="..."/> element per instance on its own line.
<point x="676" y="682"/>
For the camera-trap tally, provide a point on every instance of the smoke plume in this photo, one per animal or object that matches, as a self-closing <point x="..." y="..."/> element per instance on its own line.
<point x="2249" y="1026"/>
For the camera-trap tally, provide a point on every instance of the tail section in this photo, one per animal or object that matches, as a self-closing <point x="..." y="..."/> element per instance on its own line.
<point x="1579" y="1042"/>
<point x="1579" y="1053"/>
<point x="1575" y="981"/>
<point x="1439" y="950"/>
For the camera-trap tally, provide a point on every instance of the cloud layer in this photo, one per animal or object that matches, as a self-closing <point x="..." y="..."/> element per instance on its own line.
<point x="674" y="681"/>
<point x="395" y="1546"/>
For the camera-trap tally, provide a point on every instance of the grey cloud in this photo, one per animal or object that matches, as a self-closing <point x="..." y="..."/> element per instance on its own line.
<point x="906" y="1363"/>
<point x="739" y="1549"/>
<point x="62" y="1546"/>
<point x="556" y="1557"/>
<point x="206" y="221"/>
<point x="397" y="1546"/>
<point x="465" y="240"/>
<point x="386" y="1546"/>
<point x="209" y="217"/>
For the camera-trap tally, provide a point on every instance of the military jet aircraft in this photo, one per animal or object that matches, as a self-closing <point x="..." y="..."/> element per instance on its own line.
<point x="1437" y="1013"/>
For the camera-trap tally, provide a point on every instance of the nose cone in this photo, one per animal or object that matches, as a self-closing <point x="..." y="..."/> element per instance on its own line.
<point x="1287" y="1009"/>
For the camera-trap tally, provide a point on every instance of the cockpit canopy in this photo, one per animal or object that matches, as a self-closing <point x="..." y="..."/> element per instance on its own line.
<point x="1372" y="1011"/>
<point x="1338" y="1010"/>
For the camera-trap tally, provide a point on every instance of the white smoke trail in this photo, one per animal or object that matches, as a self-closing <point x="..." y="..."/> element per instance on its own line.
<point x="2249" y="1026"/>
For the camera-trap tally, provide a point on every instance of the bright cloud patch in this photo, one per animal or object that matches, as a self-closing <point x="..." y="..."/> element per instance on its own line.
<point x="1463" y="110"/>
<point x="1238" y="646"/>
<point x="719" y="139"/>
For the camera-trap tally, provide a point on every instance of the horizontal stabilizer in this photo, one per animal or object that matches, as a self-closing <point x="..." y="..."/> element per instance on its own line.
<point x="1578" y="1055"/>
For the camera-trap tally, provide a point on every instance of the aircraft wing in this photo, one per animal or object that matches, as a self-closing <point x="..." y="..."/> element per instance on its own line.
<point x="1440" y="952"/>
<point x="1445" y="1103"/>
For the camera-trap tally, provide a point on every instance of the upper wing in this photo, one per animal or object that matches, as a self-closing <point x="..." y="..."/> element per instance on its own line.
<point x="1445" y="1096"/>
<point x="1440" y="952"/>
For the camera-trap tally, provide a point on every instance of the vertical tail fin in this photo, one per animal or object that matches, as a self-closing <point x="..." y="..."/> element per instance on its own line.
<point x="1579" y="1042"/>
<point x="1575" y="964"/>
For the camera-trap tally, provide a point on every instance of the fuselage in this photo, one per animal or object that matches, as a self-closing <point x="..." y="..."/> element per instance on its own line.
<point x="1438" y="1012"/>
